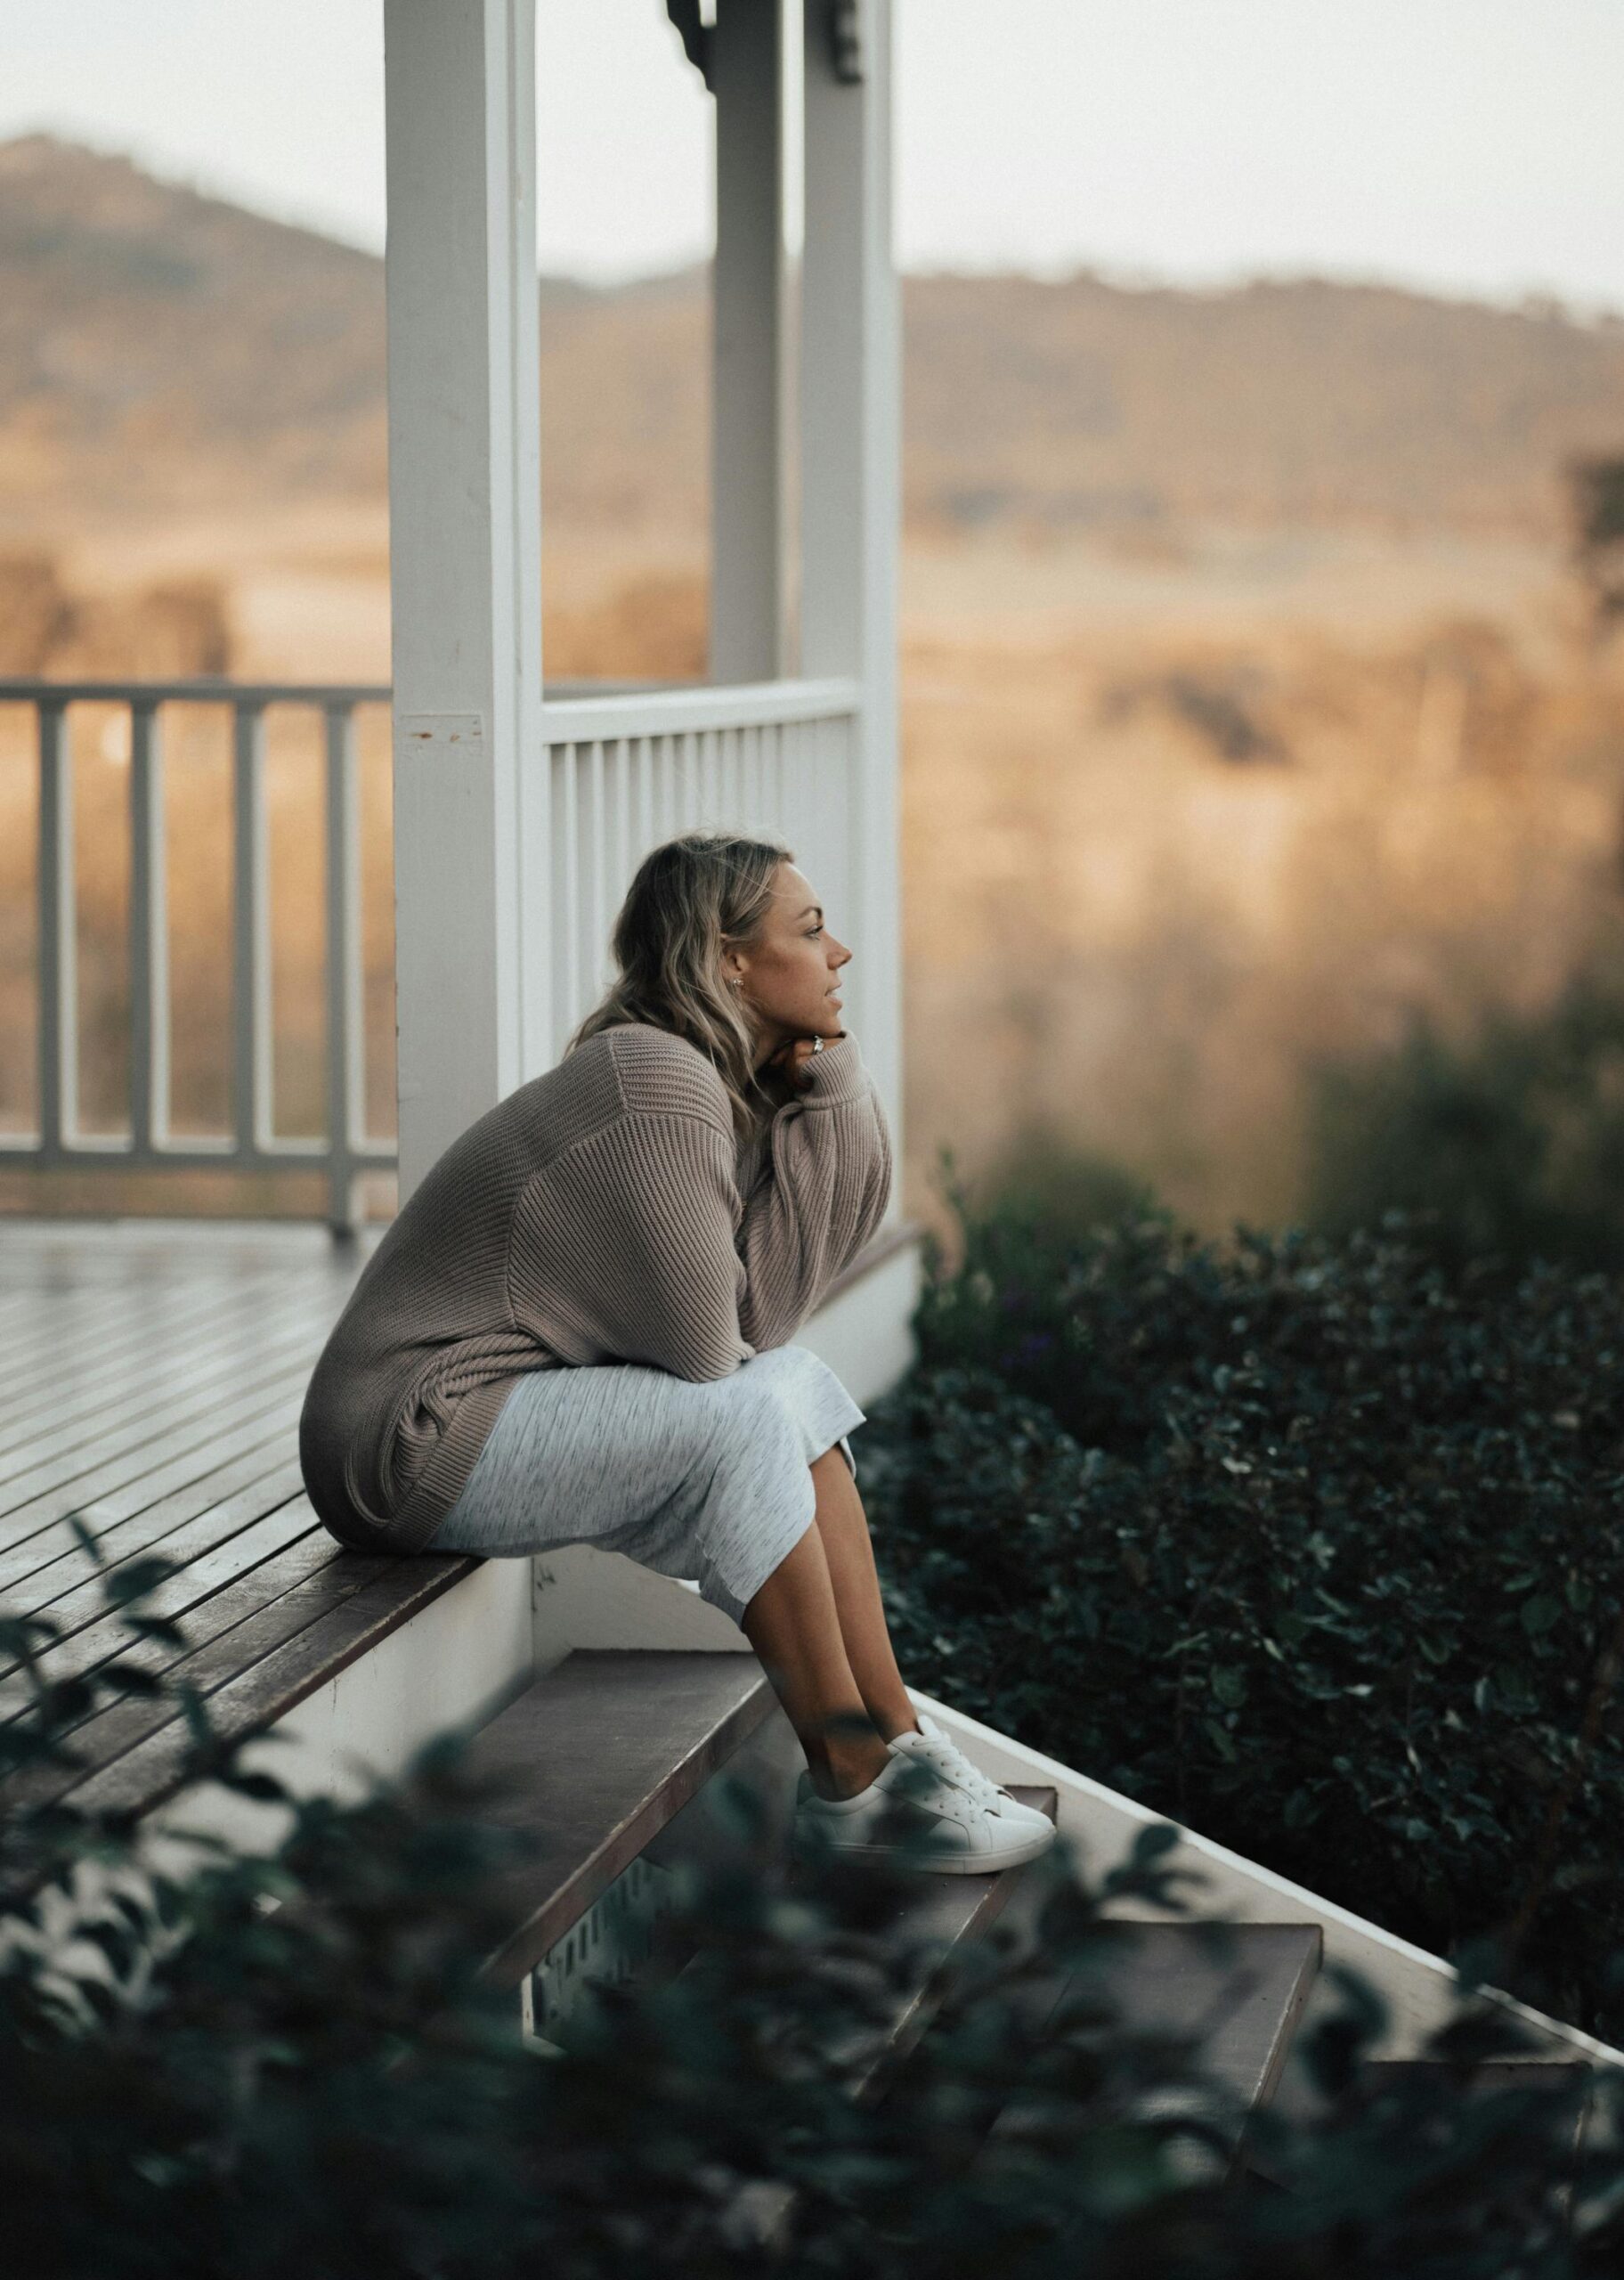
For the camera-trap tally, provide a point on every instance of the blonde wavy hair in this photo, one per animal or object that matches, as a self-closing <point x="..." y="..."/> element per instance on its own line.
<point x="688" y="897"/>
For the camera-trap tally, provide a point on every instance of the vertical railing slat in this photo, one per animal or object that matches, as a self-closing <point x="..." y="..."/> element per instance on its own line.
<point x="643" y="748"/>
<point x="783" y="746"/>
<point x="593" y="857"/>
<point x="566" y="894"/>
<point x="148" y="935"/>
<point x="346" y="1013"/>
<point x="58" y="1035"/>
<point x="251" y="1106"/>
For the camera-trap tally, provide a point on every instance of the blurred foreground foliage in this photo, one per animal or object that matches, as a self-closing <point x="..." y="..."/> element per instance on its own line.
<point x="291" y="2064"/>
<point x="1311" y="1542"/>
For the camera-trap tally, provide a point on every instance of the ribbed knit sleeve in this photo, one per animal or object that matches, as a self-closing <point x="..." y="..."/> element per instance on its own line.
<point x="831" y="1180"/>
<point x="623" y="1249"/>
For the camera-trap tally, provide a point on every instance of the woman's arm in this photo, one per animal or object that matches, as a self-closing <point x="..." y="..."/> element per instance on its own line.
<point x="830" y="1182"/>
<point x="623" y="1249"/>
<point x="634" y="1245"/>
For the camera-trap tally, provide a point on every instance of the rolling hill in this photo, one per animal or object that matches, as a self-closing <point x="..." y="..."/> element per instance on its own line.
<point x="161" y="348"/>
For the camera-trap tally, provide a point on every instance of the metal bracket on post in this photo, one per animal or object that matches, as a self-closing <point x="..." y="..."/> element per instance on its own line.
<point x="845" y="22"/>
<point x="843" y="26"/>
<point x="695" y="36"/>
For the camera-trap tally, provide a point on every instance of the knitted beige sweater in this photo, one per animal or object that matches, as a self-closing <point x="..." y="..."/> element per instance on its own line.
<point x="602" y="1212"/>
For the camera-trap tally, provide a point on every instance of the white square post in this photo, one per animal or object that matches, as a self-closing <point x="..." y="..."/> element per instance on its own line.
<point x="850" y="421"/>
<point x="471" y="989"/>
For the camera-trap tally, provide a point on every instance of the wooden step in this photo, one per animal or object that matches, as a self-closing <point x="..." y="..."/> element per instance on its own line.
<point x="1309" y="2110"/>
<point x="929" y="1920"/>
<point x="1489" y="2074"/>
<point x="1237" y="1991"/>
<point x="596" y="1760"/>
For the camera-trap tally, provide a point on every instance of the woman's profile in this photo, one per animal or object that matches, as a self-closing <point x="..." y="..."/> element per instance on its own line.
<point x="578" y="1327"/>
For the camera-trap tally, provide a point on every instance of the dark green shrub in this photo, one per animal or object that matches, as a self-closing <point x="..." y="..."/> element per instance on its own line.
<point x="289" y="2066"/>
<point x="1313" y="1544"/>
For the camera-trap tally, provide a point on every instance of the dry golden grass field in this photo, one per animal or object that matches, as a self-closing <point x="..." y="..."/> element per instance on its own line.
<point x="1227" y="742"/>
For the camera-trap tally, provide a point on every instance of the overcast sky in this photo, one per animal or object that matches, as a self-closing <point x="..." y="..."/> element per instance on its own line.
<point x="1471" y="146"/>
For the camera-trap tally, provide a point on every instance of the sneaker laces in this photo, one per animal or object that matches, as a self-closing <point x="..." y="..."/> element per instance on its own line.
<point x="951" y="1762"/>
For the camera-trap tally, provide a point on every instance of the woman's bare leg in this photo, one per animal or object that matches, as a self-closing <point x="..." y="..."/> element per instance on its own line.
<point x="849" y="1549"/>
<point x="793" y="1623"/>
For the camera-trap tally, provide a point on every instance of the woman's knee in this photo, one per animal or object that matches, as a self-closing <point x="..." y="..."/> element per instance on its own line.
<point x="762" y="1397"/>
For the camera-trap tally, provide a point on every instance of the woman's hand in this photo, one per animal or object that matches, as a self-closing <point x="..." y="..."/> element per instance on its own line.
<point x="794" y="1054"/>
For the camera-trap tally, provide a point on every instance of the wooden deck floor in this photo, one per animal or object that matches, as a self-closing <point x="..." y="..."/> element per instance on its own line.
<point x="153" y="1372"/>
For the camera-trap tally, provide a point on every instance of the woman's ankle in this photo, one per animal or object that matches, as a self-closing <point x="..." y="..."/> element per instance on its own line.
<point x="888" y="1724"/>
<point x="847" y="1768"/>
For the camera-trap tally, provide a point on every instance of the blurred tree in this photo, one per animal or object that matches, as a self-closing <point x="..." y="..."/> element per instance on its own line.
<point x="1597" y="497"/>
<point x="1510" y="1143"/>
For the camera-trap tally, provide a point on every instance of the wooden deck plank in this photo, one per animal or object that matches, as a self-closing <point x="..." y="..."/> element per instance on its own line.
<point x="121" y="1486"/>
<point x="137" y="1354"/>
<point x="136" y="1518"/>
<point x="173" y="1384"/>
<point x="191" y="1521"/>
<point x="110" y="1304"/>
<point x="44" y="1341"/>
<point x="157" y="1372"/>
<point x="595" y="1758"/>
<point x="84" y="1250"/>
<point x="252" y="1698"/>
<point x="259" y="1353"/>
<point x="227" y="1634"/>
<point x="222" y="1544"/>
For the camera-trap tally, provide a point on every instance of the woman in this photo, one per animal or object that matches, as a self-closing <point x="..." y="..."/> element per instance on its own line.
<point x="576" y="1330"/>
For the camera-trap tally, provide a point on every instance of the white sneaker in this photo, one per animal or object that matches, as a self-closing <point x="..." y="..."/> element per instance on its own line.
<point x="934" y="1745"/>
<point x="914" y="1816"/>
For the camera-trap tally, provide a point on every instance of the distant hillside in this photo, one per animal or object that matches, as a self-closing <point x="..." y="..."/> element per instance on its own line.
<point x="1300" y="402"/>
<point x="157" y="347"/>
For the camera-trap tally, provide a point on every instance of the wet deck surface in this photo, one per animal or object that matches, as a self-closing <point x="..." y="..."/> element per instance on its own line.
<point x="152" y="1374"/>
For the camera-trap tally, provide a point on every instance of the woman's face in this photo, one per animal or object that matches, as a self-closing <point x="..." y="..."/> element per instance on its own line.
<point x="792" y="975"/>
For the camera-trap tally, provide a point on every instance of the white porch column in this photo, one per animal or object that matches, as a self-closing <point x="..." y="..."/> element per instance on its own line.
<point x="747" y="343"/>
<point x="850" y="404"/>
<point x="471" y="987"/>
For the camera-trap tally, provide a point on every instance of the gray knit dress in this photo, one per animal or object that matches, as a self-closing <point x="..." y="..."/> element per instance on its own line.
<point x="707" y="1481"/>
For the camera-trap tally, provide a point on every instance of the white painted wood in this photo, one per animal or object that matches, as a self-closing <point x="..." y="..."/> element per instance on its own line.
<point x="201" y="689"/>
<point x="849" y="400"/>
<point x="59" y="988"/>
<point x="473" y="982"/>
<point x="345" y="1008"/>
<point x="747" y="449"/>
<point x="148" y="935"/>
<point x="787" y="773"/>
<point x="251" y="1065"/>
<point x="252" y="1143"/>
<point x="674" y="712"/>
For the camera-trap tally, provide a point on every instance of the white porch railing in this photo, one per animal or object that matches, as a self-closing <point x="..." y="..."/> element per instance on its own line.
<point x="628" y="772"/>
<point x="627" y="765"/>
